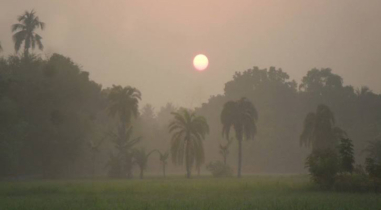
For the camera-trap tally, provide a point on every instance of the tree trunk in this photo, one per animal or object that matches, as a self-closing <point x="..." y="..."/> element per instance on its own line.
<point x="141" y="173"/>
<point x="187" y="160"/>
<point x="164" y="170"/>
<point x="239" y="157"/>
<point x="225" y="160"/>
<point x="26" y="53"/>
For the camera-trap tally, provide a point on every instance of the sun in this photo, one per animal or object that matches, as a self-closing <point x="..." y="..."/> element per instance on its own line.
<point x="200" y="62"/>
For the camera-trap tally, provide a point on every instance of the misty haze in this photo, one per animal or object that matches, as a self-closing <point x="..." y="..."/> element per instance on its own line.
<point x="263" y="104"/>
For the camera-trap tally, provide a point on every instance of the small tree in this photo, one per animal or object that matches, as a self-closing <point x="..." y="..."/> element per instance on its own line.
<point x="323" y="166"/>
<point x="347" y="159"/>
<point x="141" y="159"/>
<point x="164" y="160"/>
<point x="224" y="150"/>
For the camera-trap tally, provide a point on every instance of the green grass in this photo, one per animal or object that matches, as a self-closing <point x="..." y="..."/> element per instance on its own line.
<point x="254" y="192"/>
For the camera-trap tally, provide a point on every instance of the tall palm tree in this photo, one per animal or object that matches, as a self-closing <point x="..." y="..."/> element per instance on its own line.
<point x="320" y="131"/>
<point x="25" y="32"/>
<point x="188" y="130"/>
<point x="124" y="103"/>
<point x="141" y="159"/>
<point x="242" y="116"/>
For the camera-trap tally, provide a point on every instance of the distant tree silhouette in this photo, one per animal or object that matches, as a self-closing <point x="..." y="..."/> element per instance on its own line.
<point x="374" y="150"/>
<point x="242" y="116"/>
<point x="124" y="156"/>
<point x="124" y="102"/>
<point x="188" y="130"/>
<point x="25" y="32"/>
<point x="141" y="159"/>
<point x="347" y="159"/>
<point x="319" y="130"/>
<point x="224" y="150"/>
<point x="163" y="159"/>
<point x="1" y="48"/>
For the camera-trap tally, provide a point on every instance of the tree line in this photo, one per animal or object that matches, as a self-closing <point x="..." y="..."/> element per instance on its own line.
<point x="56" y="122"/>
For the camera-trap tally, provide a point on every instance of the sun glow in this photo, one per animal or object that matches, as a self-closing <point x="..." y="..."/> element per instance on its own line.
<point x="200" y="62"/>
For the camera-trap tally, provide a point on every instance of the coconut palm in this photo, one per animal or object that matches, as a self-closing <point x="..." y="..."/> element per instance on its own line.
<point x="224" y="150"/>
<point x="141" y="159"/>
<point x="25" y="32"/>
<point x="320" y="131"/>
<point x="188" y="130"/>
<point x="242" y="116"/>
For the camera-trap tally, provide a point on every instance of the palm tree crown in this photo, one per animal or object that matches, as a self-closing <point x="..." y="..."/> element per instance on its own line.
<point x="24" y="32"/>
<point x="124" y="102"/>
<point x="188" y="130"/>
<point x="242" y="116"/>
<point x="319" y="129"/>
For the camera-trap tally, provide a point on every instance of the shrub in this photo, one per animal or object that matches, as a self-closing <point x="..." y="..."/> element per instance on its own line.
<point x="354" y="182"/>
<point x="323" y="166"/>
<point x="219" y="169"/>
<point x="373" y="168"/>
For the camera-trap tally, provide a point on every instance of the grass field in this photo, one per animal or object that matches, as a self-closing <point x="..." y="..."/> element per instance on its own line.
<point x="254" y="192"/>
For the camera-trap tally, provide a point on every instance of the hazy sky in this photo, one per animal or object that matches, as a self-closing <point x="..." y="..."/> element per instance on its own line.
<point x="150" y="44"/>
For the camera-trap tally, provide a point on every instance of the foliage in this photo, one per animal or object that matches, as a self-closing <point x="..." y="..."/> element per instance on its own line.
<point x="44" y="120"/>
<point x="219" y="169"/>
<point x="242" y="116"/>
<point x="188" y="130"/>
<point x="323" y="166"/>
<point x="319" y="129"/>
<point x="124" y="102"/>
<point x="373" y="168"/>
<point x="141" y="159"/>
<point x="24" y="32"/>
<point x="354" y="183"/>
<point x="374" y="150"/>
<point x="224" y="150"/>
<point x="124" y="145"/>
<point x="347" y="159"/>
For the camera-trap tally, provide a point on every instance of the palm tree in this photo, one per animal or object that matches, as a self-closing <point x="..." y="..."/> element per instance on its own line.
<point x="24" y="32"/>
<point x="320" y="131"/>
<point x="188" y="130"/>
<point x="163" y="158"/>
<point x="242" y="116"/>
<point x="224" y="150"/>
<point x="141" y="159"/>
<point x="124" y="102"/>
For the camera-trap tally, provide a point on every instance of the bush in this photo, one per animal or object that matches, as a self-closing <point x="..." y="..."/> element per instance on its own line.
<point x="219" y="169"/>
<point x="354" y="182"/>
<point x="323" y="166"/>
